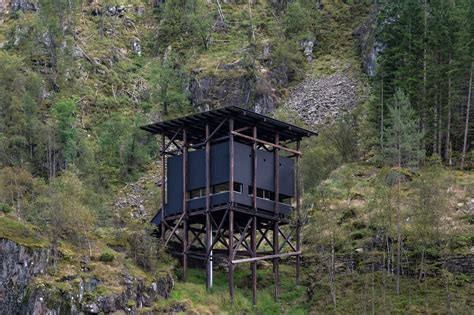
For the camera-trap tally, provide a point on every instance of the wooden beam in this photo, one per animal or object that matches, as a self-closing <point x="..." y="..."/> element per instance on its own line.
<point x="267" y="143"/>
<point x="243" y="235"/>
<point x="264" y="237"/>
<point x="286" y="239"/>
<point x="173" y="231"/>
<point x="196" y="238"/>
<point x="163" y="151"/>
<point x="209" y="136"/>
<point x="267" y="257"/>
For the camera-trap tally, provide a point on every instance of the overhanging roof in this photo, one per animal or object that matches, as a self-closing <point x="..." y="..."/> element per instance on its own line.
<point x="196" y="125"/>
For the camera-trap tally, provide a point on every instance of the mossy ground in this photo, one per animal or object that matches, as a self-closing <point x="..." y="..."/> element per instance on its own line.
<point x="21" y="233"/>
<point x="193" y="293"/>
<point x="366" y="293"/>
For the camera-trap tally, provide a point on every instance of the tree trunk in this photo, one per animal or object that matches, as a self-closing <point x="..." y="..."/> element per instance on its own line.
<point x="383" y="284"/>
<point x="422" y="268"/>
<point x="423" y="105"/>
<point x="333" y="274"/>
<point x="381" y="114"/>
<point x="440" y="135"/>
<point x="448" y="127"/>
<point x="435" y="122"/>
<point x="448" y="294"/>
<point x="373" y="288"/>
<point x="466" y="127"/>
<point x="399" y="237"/>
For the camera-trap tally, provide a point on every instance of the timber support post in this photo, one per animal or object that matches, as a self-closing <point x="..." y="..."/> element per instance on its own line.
<point x="231" y="209"/>
<point x="208" y="212"/>
<point x="185" y="205"/>
<point x="298" y="212"/>
<point x="253" y="240"/>
<point x="163" y="186"/>
<point x="276" y="183"/>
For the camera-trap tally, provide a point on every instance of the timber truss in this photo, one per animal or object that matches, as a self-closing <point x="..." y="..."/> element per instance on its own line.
<point x="231" y="233"/>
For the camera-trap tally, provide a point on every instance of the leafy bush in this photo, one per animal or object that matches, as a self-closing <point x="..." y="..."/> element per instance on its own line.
<point x="297" y="20"/>
<point x="288" y="58"/>
<point x="106" y="257"/>
<point x="5" y="208"/>
<point x="143" y="248"/>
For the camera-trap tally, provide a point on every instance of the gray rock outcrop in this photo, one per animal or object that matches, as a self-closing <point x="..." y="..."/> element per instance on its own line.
<point x="319" y="100"/>
<point x="18" y="266"/>
<point x="22" y="293"/>
<point x="8" y="6"/>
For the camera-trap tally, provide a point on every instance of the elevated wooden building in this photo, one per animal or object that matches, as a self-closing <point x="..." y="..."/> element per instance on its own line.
<point x="231" y="185"/>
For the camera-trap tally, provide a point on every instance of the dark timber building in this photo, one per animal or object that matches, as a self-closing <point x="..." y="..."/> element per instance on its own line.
<point x="231" y="189"/>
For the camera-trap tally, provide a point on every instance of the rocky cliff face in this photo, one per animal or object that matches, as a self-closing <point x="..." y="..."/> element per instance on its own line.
<point x="236" y="88"/>
<point x="18" y="266"/>
<point x="24" y="291"/>
<point x="8" y="6"/>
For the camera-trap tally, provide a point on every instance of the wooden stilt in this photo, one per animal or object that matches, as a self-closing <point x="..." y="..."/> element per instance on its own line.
<point x="231" y="209"/>
<point x="276" y="178"/>
<point x="208" y="212"/>
<point x="163" y="187"/>
<point x="185" y="206"/>
<point x="253" y="239"/>
<point x="298" y="214"/>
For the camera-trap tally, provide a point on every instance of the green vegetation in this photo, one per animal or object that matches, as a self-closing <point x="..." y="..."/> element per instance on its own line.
<point x="106" y="257"/>
<point x="193" y="293"/>
<point x="386" y="186"/>
<point x="427" y="53"/>
<point x="23" y="234"/>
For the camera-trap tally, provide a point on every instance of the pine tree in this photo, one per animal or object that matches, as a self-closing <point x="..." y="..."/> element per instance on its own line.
<point x="64" y="113"/>
<point x="402" y="135"/>
<point x="402" y="149"/>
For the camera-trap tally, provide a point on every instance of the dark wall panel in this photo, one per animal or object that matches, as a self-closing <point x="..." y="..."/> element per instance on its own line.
<point x="243" y="164"/>
<point x="196" y="169"/>
<point x="265" y="170"/>
<point x="220" y="174"/>
<point x="175" y="185"/>
<point x="219" y="163"/>
<point x="287" y="176"/>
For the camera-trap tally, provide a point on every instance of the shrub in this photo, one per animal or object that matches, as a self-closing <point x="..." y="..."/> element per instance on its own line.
<point x="5" y="208"/>
<point x="143" y="247"/>
<point x="297" y="20"/>
<point x="106" y="257"/>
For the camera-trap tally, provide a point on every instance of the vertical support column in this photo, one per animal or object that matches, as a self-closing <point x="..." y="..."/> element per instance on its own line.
<point x="253" y="237"/>
<point x="185" y="205"/>
<point x="298" y="214"/>
<point x="163" y="186"/>
<point x="231" y="209"/>
<point x="208" y="212"/>
<point x="276" y="179"/>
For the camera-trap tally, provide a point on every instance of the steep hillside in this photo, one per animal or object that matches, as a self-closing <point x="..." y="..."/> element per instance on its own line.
<point x="388" y="182"/>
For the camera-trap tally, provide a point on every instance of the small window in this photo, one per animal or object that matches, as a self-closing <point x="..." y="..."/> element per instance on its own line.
<point x="285" y="199"/>
<point x="216" y="189"/>
<point x="269" y="195"/>
<point x="262" y="193"/>
<point x="238" y="187"/>
<point x="197" y="193"/>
